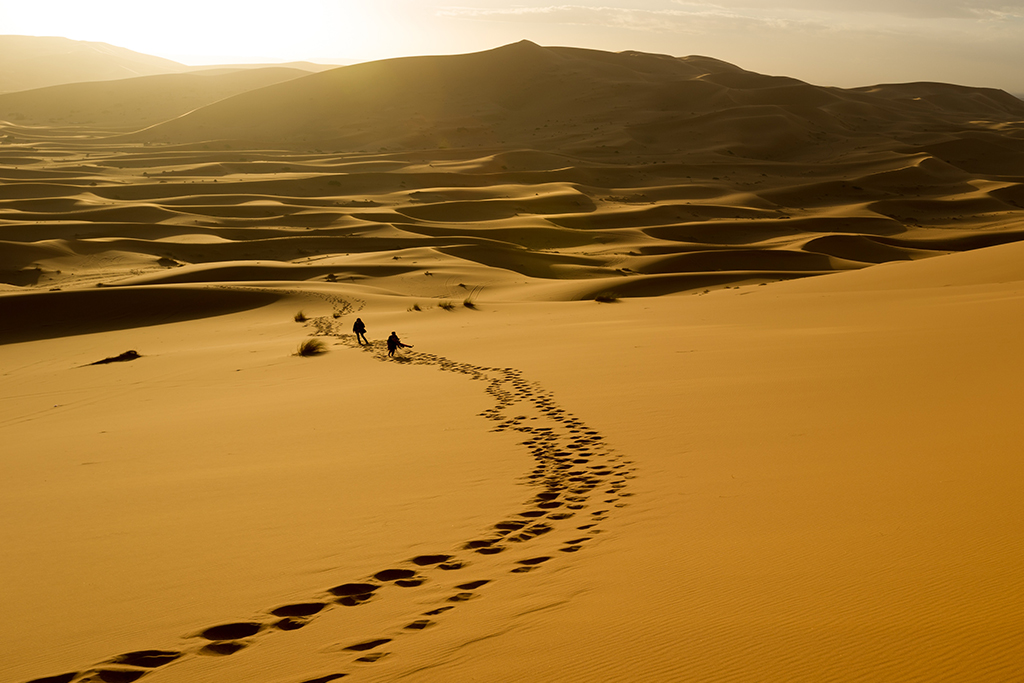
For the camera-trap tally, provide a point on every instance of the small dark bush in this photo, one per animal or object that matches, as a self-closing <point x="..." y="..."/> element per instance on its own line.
<point x="311" y="347"/>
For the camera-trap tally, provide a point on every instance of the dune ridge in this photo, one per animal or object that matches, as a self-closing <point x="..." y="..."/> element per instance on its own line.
<point x="133" y="102"/>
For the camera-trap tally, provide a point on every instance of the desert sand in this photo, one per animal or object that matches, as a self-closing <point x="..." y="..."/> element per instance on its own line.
<point x="713" y="376"/>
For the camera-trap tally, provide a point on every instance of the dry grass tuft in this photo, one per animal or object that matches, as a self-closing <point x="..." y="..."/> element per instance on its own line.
<point x="300" y="317"/>
<point x="311" y="347"/>
<point x="468" y="301"/>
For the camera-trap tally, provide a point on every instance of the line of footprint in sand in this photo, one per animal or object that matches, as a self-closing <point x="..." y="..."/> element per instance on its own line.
<point x="574" y="472"/>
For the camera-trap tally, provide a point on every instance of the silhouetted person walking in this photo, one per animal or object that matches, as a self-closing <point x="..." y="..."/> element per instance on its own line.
<point x="395" y="343"/>
<point x="360" y="329"/>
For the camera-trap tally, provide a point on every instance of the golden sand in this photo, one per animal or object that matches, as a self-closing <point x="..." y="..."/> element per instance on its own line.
<point x="714" y="376"/>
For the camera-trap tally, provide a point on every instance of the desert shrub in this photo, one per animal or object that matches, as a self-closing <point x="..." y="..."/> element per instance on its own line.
<point x="447" y="305"/>
<point x="415" y="307"/>
<point x="311" y="347"/>
<point x="300" y="317"/>
<point x="468" y="301"/>
<point x="606" y="298"/>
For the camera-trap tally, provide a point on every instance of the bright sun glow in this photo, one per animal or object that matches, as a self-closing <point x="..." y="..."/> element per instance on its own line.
<point x="204" y="31"/>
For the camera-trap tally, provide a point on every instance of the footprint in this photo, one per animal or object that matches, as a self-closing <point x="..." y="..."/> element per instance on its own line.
<point x="235" y="631"/>
<point x="451" y="566"/>
<point x="419" y="625"/>
<point x="534" y="531"/>
<point x="394" y="574"/>
<point x="304" y="609"/>
<point x="147" y="659"/>
<point x="325" y="679"/>
<point x="472" y="585"/>
<point x="410" y="583"/>
<point x="368" y="645"/>
<point x="439" y="610"/>
<point x="372" y="657"/>
<point x="222" y="649"/>
<point x="352" y="594"/>
<point x="427" y="560"/>
<point x="290" y="624"/>
<point x="490" y="550"/>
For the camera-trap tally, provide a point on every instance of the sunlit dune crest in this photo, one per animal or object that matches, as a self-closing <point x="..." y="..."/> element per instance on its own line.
<point x="703" y="374"/>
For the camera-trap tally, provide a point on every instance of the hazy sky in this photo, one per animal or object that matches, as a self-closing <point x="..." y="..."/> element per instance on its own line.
<point x="827" y="42"/>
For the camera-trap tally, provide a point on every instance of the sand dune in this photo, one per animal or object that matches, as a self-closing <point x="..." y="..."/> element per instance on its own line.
<point x="712" y="378"/>
<point x="743" y="160"/>
<point x="48" y="315"/>
<point x="37" y="62"/>
<point x="133" y="103"/>
<point x="33" y="62"/>
<point x="546" y="98"/>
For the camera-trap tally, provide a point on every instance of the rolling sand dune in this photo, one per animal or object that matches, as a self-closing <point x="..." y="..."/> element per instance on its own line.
<point x="713" y="378"/>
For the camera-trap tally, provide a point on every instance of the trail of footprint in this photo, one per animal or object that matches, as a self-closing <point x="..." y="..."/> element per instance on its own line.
<point x="574" y="472"/>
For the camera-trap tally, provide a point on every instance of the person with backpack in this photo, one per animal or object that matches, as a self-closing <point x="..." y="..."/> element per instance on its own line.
<point x="394" y="343"/>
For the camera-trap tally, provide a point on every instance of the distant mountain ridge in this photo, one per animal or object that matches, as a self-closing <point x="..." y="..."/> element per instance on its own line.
<point x="31" y="62"/>
<point x="576" y="100"/>
<point x="28" y="62"/>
